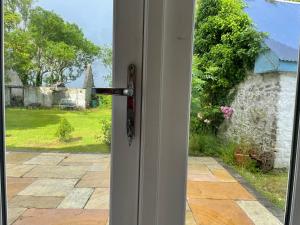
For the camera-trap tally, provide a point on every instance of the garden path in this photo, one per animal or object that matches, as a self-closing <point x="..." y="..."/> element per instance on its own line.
<point x="64" y="189"/>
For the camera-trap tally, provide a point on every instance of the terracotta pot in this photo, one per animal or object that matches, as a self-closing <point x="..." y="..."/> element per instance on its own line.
<point x="241" y="159"/>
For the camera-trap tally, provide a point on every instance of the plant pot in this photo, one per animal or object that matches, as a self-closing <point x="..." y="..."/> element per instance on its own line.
<point x="241" y="159"/>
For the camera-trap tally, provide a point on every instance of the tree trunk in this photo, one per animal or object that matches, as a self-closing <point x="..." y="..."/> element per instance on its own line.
<point x="39" y="79"/>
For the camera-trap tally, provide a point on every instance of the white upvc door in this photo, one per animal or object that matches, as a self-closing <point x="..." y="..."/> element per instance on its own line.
<point x="165" y="111"/>
<point x="148" y="184"/>
<point x="127" y="49"/>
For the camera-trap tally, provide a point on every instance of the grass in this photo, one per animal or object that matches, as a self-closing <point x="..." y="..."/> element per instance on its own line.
<point x="272" y="185"/>
<point x="34" y="129"/>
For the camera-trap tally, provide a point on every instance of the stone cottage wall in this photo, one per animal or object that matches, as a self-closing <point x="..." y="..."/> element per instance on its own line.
<point x="255" y="114"/>
<point x="285" y="114"/>
<point x="264" y="109"/>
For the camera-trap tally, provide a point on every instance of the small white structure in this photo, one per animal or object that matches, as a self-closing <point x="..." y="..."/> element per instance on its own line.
<point x="14" y="92"/>
<point x="18" y="95"/>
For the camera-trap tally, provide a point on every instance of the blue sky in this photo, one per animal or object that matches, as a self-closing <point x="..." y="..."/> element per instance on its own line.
<point x="280" y="19"/>
<point x="95" y="18"/>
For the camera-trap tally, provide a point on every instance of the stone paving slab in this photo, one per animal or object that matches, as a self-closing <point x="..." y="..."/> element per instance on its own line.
<point x="202" y="177"/>
<point x="99" y="199"/>
<point x="222" y="175"/>
<point x="84" y="159"/>
<point x="99" y="167"/>
<point x="212" y="166"/>
<point x="217" y="190"/>
<point x="50" y="187"/>
<point x="18" y="170"/>
<point x="204" y="160"/>
<point x="14" y="214"/>
<point x="63" y="217"/>
<point x="62" y="187"/>
<point x="77" y="199"/>
<point x="20" y="157"/>
<point x="198" y="168"/>
<point x="62" y="172"/>
<point x="46" y="159"/>
<point x="9" y="166"/>
<point x="218" y="212"/>
<point x="92" y="179"/>
<point x="15" y="185"/>
<point x="259" y="214"/>
<point x="21" y="201"/>
<point x="189" y="219"/>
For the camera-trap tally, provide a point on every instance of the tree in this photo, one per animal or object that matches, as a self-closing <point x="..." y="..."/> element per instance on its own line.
<point x="106" y="59"/>
<point x="42" y="48"/>
<point x="62" y="51"/>
<point x="18" y="55"/>
<point x="226" y="45"/>
<point x="21" y="8"/>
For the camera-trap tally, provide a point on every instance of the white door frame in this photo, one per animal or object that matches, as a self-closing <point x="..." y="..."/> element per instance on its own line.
<point x="3" y="198"/>
<point x="166" y="97"/>
<point x="292" y="215"/>
<point x="158" y="198"/>
<point x="165" y="111"/>
<point x="127" y="49"/>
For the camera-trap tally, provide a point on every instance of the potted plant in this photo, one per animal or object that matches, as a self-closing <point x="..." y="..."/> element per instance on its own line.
<point x="243" y="152"/>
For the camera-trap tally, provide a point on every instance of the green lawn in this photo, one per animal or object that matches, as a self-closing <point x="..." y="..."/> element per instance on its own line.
<point x="34" y="129"/>
<point x="272" y="185"/>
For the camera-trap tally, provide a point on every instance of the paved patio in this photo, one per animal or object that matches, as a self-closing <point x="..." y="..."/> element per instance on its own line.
<point x="73" y="189"/>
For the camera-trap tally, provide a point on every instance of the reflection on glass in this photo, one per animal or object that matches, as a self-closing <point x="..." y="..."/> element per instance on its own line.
<point x="58" y="132"/>
<point x="243" y="94"/>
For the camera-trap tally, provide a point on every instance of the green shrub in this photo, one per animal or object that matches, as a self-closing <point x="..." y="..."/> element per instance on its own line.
<point x="227" y="153"/>
<point x="105" y="136"/>
<point x="64" y="130"/>
<point x="105" y="101"/>
<point x="204" y="145"/>
<point x="226" y="45"/>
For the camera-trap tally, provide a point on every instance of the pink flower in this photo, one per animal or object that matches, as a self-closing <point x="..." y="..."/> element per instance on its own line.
<point x="227" y="111"/>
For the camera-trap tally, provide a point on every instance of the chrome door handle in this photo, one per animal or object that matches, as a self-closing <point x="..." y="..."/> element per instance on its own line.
<point x="128" y="92"/>
<point x="114" y="91"/>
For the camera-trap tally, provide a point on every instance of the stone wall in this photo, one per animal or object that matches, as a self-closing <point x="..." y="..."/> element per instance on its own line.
<point x="254" y="118"/>
<point x="264" y="109"/>
<point x="285" y="115"/>
<point x="49" y="97"/>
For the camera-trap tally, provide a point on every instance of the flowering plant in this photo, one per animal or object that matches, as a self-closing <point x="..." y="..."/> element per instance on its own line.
<point x="227" y="111"/>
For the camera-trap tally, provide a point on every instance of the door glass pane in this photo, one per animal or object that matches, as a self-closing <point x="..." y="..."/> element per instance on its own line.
<point x="243" y="94"/>
<point x="58" y="132"/>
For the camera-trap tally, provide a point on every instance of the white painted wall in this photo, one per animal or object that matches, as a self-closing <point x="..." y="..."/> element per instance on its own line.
<point x="38" y="95"/>
<point x="7" y="96"/>
<point x="46" y="97"/>
<point x="285" y="115"/>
